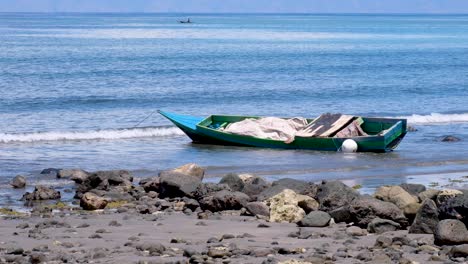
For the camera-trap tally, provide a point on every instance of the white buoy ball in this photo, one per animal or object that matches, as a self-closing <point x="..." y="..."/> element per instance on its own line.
<point x="349" y="146"/>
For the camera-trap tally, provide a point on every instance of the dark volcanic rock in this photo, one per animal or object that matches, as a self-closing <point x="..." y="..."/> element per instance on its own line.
<point x="300" y="187"/>
<point x="334" y="194"/>
<point x="364" y="209"/>
<point x="233" y="181"/>
<point x="258" y="208"/>
<point x="105" y="180"/>
<point x="450" y="139"/>
<point x="209" y="189"/>
<point x="254" y="186"/>
<point x="50" y="171"/>
<point x="413" y="188"/>
<point x="455" y="207"/>
<point x="380" y="226"/>
<point x="315" y="219"/>
<point x="225" y="200"/>
<point x="450" y="232"/>
<point x="174" y="184"/>
<point x="150" y="184"/>
<point x="426" y="218"/>
<point x="42" y="193"/>
<point x="18" y="182"/>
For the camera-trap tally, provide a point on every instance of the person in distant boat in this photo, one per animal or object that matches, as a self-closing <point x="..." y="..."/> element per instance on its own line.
<point x="188" y="20"/>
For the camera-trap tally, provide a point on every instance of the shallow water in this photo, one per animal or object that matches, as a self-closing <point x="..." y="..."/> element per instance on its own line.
<point x="74" y="86"/>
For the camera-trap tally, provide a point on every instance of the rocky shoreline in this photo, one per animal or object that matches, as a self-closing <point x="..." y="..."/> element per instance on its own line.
<point x="175" y="217"/>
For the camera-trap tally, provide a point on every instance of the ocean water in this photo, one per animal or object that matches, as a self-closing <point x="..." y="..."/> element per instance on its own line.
<point x="81" y="90"/>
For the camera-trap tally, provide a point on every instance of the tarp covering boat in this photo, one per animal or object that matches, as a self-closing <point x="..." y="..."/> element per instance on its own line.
<point x="286" y="130"/>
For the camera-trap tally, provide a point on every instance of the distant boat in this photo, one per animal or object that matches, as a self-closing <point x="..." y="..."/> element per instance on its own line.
<point x="188" y="21"/>
<point x="383" y="134"/>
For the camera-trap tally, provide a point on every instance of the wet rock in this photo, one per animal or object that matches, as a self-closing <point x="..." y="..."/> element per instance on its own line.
<point x="52" y="223"/>
<point x="356" y="231"/>
<point x="426" y="218"/>
<point x="191" y="169"/>
<point x="258" y="208"/>
<point x="18" y="182"/>
<point x="50" y="171"/>
<point x="41" y="193"/>
<point x="263" y="225"/>
<point x="450" y="232"/>
<point x="365" y="209"/>
<point x="262" y="252"/>
<point x="315" y="219"/>
<point x="233" y="181"/>
<point x="22" y="226"/>
<point x="225" y="200"/>
<point x="76" y="175"/>
<point x="334" y="194"/>
<point x="460" y="251"/>
<point x="395" y="195"/>
<point x="284" y="208"/>
<point x="119" y="180"/>
<point x="380" y="226"/>
<point x="447" y="194"/>
<point x="450" y="139"/>
<point x="174" y="184"/>
<point x="95" y="236"/>
<point x="90" y="201"/>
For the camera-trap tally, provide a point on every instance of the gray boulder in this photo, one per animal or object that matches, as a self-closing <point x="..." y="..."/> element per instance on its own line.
<point x="460" y="251"/>
<point x="41" y="193"/>
<point x="18" y="182"/>
<point x="315" y="219"/>
<point x="150" y="184"/>
<point x="258" y="208"/>
<point x="209" y="189"/>
<point x="76" y="175"/>
<point x="380" y="226"/>
<point x="105" y="180"/>
<point x="191" y="169"/>
<point x="300" y="187"/>
<point x="254" y="185"/>
<point x="364" y="209"/>
<point x="450" y="232"/>
<point x="334" y="194"/>
<point x="426" y="218"/>
<point x="455" y="207"/>
<point x="50" y="171"/>
<point x="233" y="181"/>
<point x="413" y="188"/>
<point x="174" y="184"/>
<point x="90" y="201"/>
<point x="224" y="200"/>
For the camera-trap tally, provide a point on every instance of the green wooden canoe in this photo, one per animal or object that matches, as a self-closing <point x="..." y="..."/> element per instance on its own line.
<point x="384" y="134"/>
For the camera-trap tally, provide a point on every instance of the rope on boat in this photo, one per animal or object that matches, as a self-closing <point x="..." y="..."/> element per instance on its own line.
<point x="144" y="119"/>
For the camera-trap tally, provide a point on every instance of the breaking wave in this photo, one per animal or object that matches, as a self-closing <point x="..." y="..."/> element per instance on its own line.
<point x="107" y="134"/>
<point x="436" y="118"/>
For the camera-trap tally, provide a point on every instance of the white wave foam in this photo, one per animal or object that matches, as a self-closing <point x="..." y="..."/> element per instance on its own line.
<point x="91" y="135"/>
<point x="436" y="118"/>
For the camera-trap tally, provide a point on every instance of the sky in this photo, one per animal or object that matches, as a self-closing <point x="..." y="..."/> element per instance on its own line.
<point x="238" y="6"/>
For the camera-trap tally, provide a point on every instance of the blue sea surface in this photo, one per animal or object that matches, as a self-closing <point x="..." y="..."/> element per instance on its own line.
<point x="75" y="87"/>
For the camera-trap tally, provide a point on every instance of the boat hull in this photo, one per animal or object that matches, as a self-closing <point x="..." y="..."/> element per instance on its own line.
<point x="199" y="131"/>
